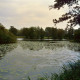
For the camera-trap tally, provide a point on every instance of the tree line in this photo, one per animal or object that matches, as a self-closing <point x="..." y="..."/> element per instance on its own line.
<point x="9" y="35"/>
<point x="47" y="33"/>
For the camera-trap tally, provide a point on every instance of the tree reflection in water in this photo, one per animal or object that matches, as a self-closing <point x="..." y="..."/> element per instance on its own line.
<point x="4" y="48"/>
<point x="33" y="45"/>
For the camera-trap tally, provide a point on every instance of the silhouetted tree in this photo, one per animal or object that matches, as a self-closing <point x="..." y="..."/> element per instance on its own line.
<point x="31" y="33"/>
<point x="73" y="16"/>
<point x="42" y="33"/>
<point x="13" y="30"/>
<point x="60" y="34"/>
<point x="25" y="32"/>
<point x="36" y="32"/>
<point x="54" y="33"/>
<point x="70" y="33"/>
<point x="48" y="32"/>
<point x="77" y="35"/>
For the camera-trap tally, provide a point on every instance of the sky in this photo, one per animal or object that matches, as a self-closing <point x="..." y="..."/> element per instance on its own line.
<point x="27" y="13"/>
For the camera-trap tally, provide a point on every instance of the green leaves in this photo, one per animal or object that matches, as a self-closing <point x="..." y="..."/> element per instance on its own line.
<point x="6" y="36"/>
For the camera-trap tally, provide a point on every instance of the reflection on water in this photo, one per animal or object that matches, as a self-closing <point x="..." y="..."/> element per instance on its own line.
<point x="75" y="47"/>
<point x="55" y="45"/>
<point x="34" y="59"/>
<point x="6" y="48"/>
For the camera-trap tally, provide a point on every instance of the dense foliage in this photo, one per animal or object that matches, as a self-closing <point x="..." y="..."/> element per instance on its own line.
<point x="40" y="33"/>
<point x="6" y="36"/>
<point x="77" y="35"/>
<point x="13" y="30"/>
<point x="32" y="33"/>
<point x="47" y="33"/>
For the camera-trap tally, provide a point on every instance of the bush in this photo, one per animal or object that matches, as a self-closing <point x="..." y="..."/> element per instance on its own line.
<point x="6" y="36"/>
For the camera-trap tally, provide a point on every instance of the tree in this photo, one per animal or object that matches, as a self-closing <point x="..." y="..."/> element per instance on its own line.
<point x="25" y="32"/>
<point x="48" y="32"/>
<point x="38" y="32"/>
<point x="13" y="30"/>
<point x="54" y="33"/>
<point x="60" y="34"/>
<point x="77" y="35"/>
<point x="31" y="33"/>
<point x="70" y="33"/>
<point x="73" y="16"/>
<point x="42" y="33"/>
<point x="6" y="36"/>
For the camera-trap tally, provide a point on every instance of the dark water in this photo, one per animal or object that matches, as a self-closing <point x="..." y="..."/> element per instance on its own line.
<point x="35" y="59"/>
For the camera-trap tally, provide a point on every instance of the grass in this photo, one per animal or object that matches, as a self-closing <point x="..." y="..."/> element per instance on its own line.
<point x="71" y="73"/>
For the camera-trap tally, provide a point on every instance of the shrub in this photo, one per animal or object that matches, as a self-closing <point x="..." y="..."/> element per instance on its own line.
<point x="6" y="36"/>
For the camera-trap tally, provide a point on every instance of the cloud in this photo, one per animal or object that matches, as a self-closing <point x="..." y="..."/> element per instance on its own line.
<point x="20" y="13"/>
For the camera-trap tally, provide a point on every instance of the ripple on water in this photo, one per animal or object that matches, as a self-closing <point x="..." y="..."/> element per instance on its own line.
<point x="35" y="58"/>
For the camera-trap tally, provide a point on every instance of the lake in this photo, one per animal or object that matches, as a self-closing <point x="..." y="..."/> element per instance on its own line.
<point x="35" y="58"/>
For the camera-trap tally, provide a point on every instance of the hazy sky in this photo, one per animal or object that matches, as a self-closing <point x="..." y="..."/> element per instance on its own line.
<point x="27" y="13"/>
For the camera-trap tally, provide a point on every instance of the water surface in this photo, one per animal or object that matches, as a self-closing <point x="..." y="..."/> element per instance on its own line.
<point x="34" y="59"/>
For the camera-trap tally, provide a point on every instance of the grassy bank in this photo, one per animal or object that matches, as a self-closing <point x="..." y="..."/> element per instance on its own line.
<point x="72" y="73"/>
